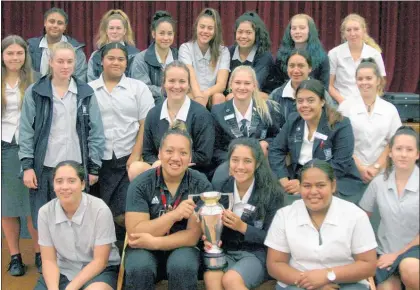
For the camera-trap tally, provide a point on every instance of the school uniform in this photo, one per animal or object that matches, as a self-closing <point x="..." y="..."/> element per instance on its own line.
<point x="14" y="195"/>
<point x="246" y="253"/>
<point x="75" y="239"/>
<point x="199" y="124"/>
<point x="334" y="145"/>
<point x="372" y="132"/>
<point x="345" y="232"/>
<point x="343" y="66"/>
<point x="206" y="75"/>
<point x="148" y="68"/>
<point x="40" y="55"/>
<point x="121" y="110"/>
<point x="95" y="69"/>
<point x="261" y="62"/>
<point x="54" y="130"/>
<point x="148" y="193"/>
<point x="399" y="217"/>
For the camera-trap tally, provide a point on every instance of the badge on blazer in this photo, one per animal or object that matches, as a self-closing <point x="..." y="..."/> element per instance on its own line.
<point x="228" y="117"/>
<point x="84" y="110"/>
<point x="320" y="136"/>
<point x="263" y="134"/>
<point x="328" y="154"/>
<point x="258" y="224"/>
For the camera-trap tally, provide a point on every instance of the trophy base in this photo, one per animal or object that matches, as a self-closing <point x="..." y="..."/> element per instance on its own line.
<point x="214" y="262"/>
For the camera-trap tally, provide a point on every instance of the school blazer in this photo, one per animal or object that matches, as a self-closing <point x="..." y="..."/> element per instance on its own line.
<point x="336" y="148"/>
<point x="227" y="127"/>
<point x="253" y="239"/>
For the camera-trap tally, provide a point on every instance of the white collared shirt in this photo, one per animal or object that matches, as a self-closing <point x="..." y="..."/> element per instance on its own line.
<point x="11" y="115"/>
<point x="346" y="231"/>
<point x="121" y="110"/>
<point x="182" y="113"/>
<point x="169" y="58"/>
<point x="344" y="68"/>
<point x="190" y="53"/>
<point x="307" y="146"/>
<point x="373" y="132"/>
<point x="238" y="203"/>
<point x="399" y="213"/>
<point x="250" y="56"/>
<point x="46" y="54"/>
<point x="63" y="141"/>
<point x="247" y="116"/>
<point x="289" y="91"/>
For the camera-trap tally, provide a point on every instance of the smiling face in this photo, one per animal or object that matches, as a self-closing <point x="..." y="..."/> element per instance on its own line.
<point x="404" y="152"/>
<point x="298" y="69"/>
<point x="242" y="164"/>
<point x="243" y="85"/>
<point x="299" y="30"/>
<point x="164" y="35"/>
<point x="176" y="83"/>
<point x="205" y="30"/>
<point x="175" y="155"/>
<point x="309" y="105"/>
<point x="114" y="63"/>
<point x="367" y="82"/>
<point x="67" y="185"/>
<point x="55" y="25"/>
<point x="14" y="57"/>
<point x="115" y="30"/>
<point x="354" y="32"/>
<point x="316" y="189"/>
<point x="62" y="64"/>
<point x="245" y="35"/>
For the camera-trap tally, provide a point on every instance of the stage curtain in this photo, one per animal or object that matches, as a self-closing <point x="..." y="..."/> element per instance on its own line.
<point x="394" y="25"/>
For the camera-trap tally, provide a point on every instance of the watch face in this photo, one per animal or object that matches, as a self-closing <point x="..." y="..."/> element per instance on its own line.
<point x="331" y="276"/>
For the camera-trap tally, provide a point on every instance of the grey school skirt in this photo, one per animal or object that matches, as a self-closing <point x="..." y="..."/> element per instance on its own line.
<point x="14" y="195"/>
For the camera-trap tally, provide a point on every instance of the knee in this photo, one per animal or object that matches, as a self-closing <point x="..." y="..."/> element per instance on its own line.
<point x="392" y="283"/>
<point x="137" y="262"/>
<point x="409" y="272"/>
<point x="218" y="98"/>
<point x="232" y="280"/>
<point x="136" y="168"/>
<point x="183" y="261"/>
<point x="98" y="286"/>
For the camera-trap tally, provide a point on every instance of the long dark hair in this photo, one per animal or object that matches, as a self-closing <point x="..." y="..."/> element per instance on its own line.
<point x="267" y="188"/>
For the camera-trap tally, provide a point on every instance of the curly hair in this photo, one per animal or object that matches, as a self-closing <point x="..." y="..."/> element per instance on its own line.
<point x="262" y="37"/>
<point x="314" y="46"/>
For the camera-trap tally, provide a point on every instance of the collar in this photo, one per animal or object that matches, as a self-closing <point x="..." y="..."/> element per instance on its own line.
<point x="345" y="52"/>
<point x="412" y="183"/>
<point x="378" y="107"/>
<point x="288" y="91"/>
<point x="43" y="87"/>
<point x="123" y="83"/>
<point x="169" y="57"/>
<point x="160" y="182"/>
<point x="44" y="43"/>
<point x="14" y="88"/>
<point x="246" y="197"/>
<point x="199" y="54"/>
<point x="248" y="114"/>
<point x="77" y="218"/>
<point x="331" y="218"/>
<point x="72" y="87"/>
<point x="306" y="133"/>
<point x="182" y="113"/>
<point x="250" y="56"/>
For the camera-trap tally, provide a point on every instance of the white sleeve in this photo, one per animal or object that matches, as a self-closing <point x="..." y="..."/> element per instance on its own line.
<point x="368" y="200"/>
<point x="185" y="53"/>
<point x="104" y="227"/>
<point x="145" y="101"/>
<point x="44" y="234"/>
<point x="332" y="56"/>
<point x="276" y="235"/>
<point x="225" y="59"/>
<point x="395" y="123"/>
<point x="363" y="238"/>
<point x="380" y="62"/>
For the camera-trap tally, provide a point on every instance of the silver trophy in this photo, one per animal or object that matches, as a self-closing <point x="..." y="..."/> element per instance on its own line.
<point x="210" y="215"/>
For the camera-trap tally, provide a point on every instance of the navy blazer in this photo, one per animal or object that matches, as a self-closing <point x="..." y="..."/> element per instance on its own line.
<point x="337" y="149"/>
<point x="227" y="127"/>
<point x="253" y="239"/>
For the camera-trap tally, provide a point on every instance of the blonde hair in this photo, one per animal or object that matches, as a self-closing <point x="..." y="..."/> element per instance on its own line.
<point x="60" y="46"/>
<point x="25" y="74"/>
<point x="102" y="37"/>
<point x="366" y="39"/>
<point x="260" y="103"/>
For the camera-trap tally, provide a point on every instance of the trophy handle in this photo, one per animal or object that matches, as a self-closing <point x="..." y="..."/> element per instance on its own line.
<point x="231" y="200"/>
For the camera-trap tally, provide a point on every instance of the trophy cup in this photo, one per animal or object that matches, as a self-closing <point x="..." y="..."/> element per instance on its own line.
<point x="210" y="215"/>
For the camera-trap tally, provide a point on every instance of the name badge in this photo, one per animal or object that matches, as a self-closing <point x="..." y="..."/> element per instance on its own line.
<point x="328" y="154"/>
<point x="249" y="207"/>
<point x="228" y="117"/>
<point x="320" y="136"/>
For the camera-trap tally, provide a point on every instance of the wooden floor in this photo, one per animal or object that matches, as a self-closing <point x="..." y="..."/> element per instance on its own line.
<point x="28" y="281"/>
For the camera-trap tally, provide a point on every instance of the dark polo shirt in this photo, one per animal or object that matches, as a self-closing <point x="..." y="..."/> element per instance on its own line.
<point x="144" y="193"/>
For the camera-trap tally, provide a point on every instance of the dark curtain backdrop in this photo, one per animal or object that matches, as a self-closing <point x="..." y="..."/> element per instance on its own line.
<point x="394" y="25"/>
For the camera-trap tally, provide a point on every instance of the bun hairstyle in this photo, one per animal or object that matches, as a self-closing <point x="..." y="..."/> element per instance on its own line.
<point x="177" y="128"/>
<point x="301" y="52"/>
<point x="114" y="45"/>
<point x="318" y="88"/>
<point x="262" y="37"/>
<point x="403" y="130"/>
<point x="102" y="38"/>
<point x="321" y="165"/>
<point x="217" y="39"/>
<point x="366" y="38"/>
<point x="371" y="63"/>
<point x="159" y="17"/>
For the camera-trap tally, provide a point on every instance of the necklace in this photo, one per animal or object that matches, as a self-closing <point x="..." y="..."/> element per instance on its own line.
<point x="318" y="228"/>
<point x="369" y="107"/>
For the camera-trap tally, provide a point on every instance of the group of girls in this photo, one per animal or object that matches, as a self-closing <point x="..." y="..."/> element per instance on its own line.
<point x="143" y="118"/>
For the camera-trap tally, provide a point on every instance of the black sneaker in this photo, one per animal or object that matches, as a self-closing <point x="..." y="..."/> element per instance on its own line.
<point x="38" y="262"/>
<point x="16" y="267"/>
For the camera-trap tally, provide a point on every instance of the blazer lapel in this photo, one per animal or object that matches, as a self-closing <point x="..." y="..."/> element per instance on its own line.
<point x="255" y="123"/>
<point x="322" y="129"/>
<point x="297" y="139"/>
<point x="230" y="120"/>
